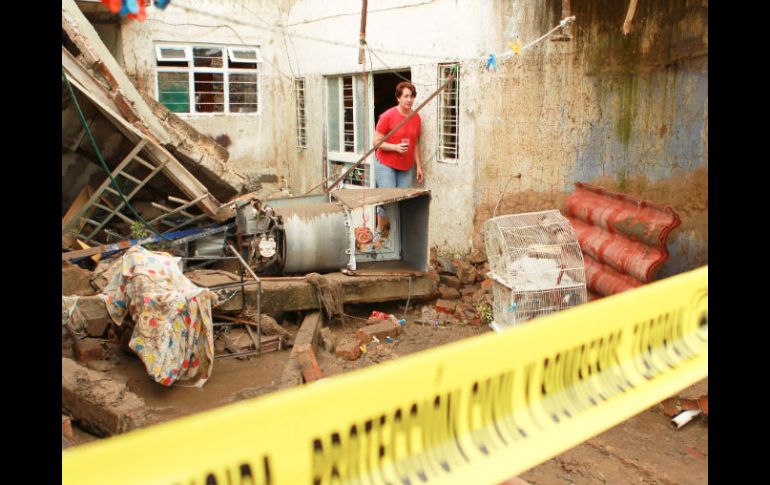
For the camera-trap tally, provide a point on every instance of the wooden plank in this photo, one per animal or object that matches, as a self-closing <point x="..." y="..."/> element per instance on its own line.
<point x="172" y="168"/>
<point x="67" y="239"/>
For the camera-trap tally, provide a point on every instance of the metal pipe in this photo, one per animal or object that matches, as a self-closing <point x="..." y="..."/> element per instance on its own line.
<point x="259" y="293"/>
<point x="684" y="417"/>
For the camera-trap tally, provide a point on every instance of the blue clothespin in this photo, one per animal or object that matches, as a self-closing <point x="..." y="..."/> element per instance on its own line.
<point x="389" y="339"/>
<point x="511" y="308"/>
<point x="162" y="4"/>
<point x="492" y="61"/>
<point x="129" y="6"/>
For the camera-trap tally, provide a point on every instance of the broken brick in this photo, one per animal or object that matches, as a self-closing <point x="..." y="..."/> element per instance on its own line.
<point x="465" y="272"/>
<point x="469" y="290"/>
<point x="96" y="319"/>
<point x="66" y="427"/>
<point x="433" y="275"/>
<point x="88" y="349"/>
<point x="349" y="349"/>
<point x="75" y="280"/>
<point x="478" y="256"/>
<point x="307" y="362"/>
<point x="328" y="339"/>
<point x="451" y="281"/>
<point x="448" y="293"/>
<point x="380" y="330"/>
<point x="446" y="306"/>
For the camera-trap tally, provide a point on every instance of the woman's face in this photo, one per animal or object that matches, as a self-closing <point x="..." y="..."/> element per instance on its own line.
<point x="406" y="100"/>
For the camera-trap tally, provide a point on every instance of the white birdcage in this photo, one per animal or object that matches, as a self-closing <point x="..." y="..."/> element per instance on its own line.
<point x="537" y="265"/>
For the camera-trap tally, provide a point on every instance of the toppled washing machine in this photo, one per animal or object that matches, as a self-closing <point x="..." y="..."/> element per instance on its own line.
<point x="329" y="232"/>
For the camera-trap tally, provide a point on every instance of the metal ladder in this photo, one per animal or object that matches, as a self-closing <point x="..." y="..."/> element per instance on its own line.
<point x="86" y="228"/>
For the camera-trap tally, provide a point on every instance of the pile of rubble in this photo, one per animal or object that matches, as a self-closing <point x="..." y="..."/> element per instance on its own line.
<point x="465" y="292"/>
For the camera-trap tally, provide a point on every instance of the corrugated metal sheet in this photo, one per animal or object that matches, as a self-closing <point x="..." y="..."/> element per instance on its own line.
<point x="623" y="238"/>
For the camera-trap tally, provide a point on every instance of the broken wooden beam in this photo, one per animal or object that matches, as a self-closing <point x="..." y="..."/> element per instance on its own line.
<point x="99" y="403"/>
<point x="302" y="363"/>
<point x="296" y="294"/>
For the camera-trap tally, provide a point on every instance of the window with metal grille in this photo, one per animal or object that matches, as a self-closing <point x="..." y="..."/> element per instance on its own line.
<point x="208" y="79"/>
<point x="299" y="91"/>
<point x="348" y="125"/>
<point x="448" y="114"/>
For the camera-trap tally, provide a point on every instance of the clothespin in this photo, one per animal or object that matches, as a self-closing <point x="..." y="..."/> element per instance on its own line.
<point x="516" y="48"/>
<point x="511" y="308"/>
<point x="375" y="339"/>
<point x="492" y="61"/>
<point x="162" y="4"/>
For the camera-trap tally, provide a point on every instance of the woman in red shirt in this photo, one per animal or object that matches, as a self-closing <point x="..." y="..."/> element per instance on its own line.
<point x="398" y="157"/>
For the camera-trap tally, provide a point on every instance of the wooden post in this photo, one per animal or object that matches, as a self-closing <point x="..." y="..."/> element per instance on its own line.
<point x="362" y="37"/>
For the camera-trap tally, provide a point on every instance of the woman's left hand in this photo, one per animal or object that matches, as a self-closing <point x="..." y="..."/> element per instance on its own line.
<point x="420" y="175"/>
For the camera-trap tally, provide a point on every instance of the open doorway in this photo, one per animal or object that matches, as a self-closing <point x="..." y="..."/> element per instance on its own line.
<point x="384" y="90"/>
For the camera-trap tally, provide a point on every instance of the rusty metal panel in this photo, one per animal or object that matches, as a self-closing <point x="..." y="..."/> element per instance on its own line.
<point x="355" y="198"/>
<point x="623" y="237"/>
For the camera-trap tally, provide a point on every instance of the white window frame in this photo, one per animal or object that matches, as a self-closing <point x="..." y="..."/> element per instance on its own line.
<point x="439" y="118"/>
<point x="190" y="70"/>
<point x="186" y="49"/>
<point x="301" y="112"/>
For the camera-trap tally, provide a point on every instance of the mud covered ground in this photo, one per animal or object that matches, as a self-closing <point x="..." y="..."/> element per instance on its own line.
<point x="645" y="449"/>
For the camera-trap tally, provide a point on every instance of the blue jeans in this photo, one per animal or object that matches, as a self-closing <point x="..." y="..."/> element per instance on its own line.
<point x="388" y="177"/>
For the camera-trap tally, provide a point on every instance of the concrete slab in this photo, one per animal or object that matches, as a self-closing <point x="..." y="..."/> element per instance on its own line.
<point x="100" y="404"/>
<point x="296" y="294"/>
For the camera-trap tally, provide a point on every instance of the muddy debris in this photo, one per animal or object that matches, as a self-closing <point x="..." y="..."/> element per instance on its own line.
<point x="328" y="340"/>
<point x="448" y="293"/>
<point x="75" y="280"/>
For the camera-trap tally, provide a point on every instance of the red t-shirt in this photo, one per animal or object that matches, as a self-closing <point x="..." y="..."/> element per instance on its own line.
<point x="411" y="129"/>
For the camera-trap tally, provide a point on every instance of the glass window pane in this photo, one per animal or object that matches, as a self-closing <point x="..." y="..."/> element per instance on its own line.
<point x="174" y="92"/>
<point x="173" y="53"/>
<point x="243" y="93"/>
<point x="209" y="92"/>
<point x="208" y="57"/>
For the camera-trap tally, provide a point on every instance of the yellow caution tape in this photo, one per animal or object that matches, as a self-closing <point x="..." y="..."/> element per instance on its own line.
<point x="476" y="411"/>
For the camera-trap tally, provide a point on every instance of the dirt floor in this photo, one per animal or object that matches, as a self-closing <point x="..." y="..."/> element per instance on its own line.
<point x="645" y="449"/>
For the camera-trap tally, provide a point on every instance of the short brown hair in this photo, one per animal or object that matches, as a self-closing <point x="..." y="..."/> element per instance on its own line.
<point x="403" y="85"/>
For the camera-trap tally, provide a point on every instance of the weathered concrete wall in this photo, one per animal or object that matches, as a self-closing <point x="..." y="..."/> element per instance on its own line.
<point x="602" y="105"/>
<point x="256" y="142"/>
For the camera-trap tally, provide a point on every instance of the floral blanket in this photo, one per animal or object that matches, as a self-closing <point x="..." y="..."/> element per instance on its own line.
<point x="173" y="333"/>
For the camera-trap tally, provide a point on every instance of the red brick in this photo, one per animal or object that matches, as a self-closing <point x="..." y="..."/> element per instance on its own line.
<point x="349" y="349"/>
<point x="380" y="330"/>
<point x="433" y="274"/>
<point x="308" y="364"/>
<point x="465" y="272"/>
<point x="451" y="281"/>
<point x="66" y="427"/>
<point x="446" y="306"/>
<point x="88" y="349"/>
<point x="448" y="293"/>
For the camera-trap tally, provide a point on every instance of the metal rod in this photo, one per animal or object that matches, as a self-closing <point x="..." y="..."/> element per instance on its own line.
<point x="377" y="145"/>
<point x="259" y="292"/>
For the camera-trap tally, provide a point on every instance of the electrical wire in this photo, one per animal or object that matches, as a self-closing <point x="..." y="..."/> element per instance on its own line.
<point x="101" y="158"/>
<point x="240" y="39"/>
